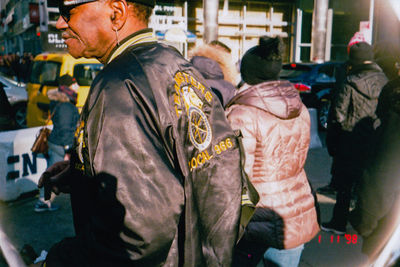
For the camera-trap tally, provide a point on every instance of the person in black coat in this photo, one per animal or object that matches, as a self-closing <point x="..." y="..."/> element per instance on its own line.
<point x="354" y="114"/>
<point x="7" y="121"/>
<point x="333" y="131"/>
<point x="376" y="213"/>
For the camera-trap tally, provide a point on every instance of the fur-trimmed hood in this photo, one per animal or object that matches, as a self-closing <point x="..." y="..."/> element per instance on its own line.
<point x="55" y="95"/>
<point x="223" y="58"/>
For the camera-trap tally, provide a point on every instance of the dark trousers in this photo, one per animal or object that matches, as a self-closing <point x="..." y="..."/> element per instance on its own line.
<point x="341" y="208"/>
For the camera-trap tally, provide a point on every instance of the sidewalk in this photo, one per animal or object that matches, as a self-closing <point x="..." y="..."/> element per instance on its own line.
<point x="326" y="249"/>
<point x="41" y="230"/>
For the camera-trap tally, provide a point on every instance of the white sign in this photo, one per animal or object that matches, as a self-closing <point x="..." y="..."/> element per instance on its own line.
<point x="365" y="29"/>
<point x="20" y="169"/>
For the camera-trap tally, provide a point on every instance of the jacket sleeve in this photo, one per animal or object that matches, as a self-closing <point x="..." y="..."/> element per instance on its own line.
<point x="209" y="157"/>
<point x="341" y="105"/>
<point x="137" y="198"/>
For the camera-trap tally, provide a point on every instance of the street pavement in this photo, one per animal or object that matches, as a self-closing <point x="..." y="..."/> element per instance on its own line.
<point x="24" y="226"/>
<point x="326" y="249"/>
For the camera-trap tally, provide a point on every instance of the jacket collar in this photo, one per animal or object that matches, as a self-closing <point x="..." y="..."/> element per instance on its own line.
<point x="372" y="66"/>
<point x="139" y="37"/>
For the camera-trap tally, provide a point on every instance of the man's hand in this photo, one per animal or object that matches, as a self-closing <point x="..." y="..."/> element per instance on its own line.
<point x="56" y="179"/>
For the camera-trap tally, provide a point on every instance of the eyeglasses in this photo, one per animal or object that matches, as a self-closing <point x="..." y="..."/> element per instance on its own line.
<point x="65" y="11"/>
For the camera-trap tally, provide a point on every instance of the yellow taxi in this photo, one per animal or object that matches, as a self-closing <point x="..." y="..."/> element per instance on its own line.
<point x="46" y="70"/>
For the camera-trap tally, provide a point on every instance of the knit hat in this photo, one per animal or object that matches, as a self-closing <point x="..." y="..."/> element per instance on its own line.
<point x="360" y="52"/>
<point x="358" y="37"/>
<point x="65" y="82"/>
<point x="150" y="3"/>
<point x="262" y="62"/>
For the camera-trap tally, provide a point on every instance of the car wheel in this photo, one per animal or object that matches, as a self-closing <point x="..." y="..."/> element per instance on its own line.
<point x="20" y="115"/>
<point x="323" y="113"/>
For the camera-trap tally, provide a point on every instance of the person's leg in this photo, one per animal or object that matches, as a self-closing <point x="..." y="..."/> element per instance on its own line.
<point x="55" y="154"/>
<point x="340" y="214"/>
<point x="283" y="257"/>
<point x="330" y="189"/>
<point x="341" y="209"/>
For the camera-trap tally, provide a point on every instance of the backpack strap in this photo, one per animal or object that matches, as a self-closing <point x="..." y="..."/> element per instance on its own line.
<point x="250" y="195"/>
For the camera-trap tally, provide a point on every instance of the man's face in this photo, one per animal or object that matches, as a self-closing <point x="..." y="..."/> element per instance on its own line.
<point x="88" y="33"/>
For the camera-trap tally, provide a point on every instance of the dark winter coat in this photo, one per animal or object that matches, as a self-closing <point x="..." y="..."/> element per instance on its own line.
<point x="65" y="118"/>
<point x="159" y="180"/>
<point x="378" y="207"/>
<point x="6" y="112"/>
<point x="354" y="113"/>
<point x="276" y="134"/>
<point x="212" y="72"/>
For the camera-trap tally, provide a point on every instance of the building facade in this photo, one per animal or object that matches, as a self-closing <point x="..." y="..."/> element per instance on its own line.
<point x="240" y="24"/>
<point x="18" y="31"/>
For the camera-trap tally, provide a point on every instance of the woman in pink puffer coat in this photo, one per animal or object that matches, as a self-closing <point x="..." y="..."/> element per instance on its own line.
<point x="276" y="133"/>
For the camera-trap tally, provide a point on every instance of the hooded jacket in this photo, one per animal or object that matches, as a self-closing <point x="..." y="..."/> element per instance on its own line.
<point x="224" y="59"/>
<point x="212" y="72"/>
<point x="357" y="100"/>
<point x="276" y="134"/>
<point x="355" y="116"/>
<point x="157" y="178"/>
<point x="376" y="214"/>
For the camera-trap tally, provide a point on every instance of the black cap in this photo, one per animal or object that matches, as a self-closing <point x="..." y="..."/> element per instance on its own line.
<point x="66" y="80"/>
<point x="150" y="3"/>
<point x="360" y="52"/>
<point x="262" y="62"/>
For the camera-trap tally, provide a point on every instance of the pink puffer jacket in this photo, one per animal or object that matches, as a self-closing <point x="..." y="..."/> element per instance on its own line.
<point x="276" y="134"/>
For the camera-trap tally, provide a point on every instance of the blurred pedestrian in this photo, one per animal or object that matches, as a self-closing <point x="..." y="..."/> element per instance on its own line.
<point x="221" y="55"/>
<point x="333" y="130"/>
<point x="376" y="213"/>
<point x="212" y="72"/>
<point x="354" y="114"/>
<point x="275" y="126"/>
<point x="386" y="56"/>
<point x="154" y="175"/>
<point x="65" y="117"/>
<point x="25" y="67"/>
<point x="7" y="121"/>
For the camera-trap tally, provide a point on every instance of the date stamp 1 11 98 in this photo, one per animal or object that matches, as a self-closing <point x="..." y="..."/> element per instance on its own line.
<point x="349" y="239"/>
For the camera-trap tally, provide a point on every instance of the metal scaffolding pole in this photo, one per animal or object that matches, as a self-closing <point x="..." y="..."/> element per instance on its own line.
<point x="319" y="30"/>
<point x="210" y="9"/>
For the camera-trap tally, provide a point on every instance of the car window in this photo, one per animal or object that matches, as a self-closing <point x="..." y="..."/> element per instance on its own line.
<point x="293" y="70"/>
<point x="327" y="69"/>
<point x="326" y="73"/>
<point x="8" y="79"/>
<point x="45" y="72"/>
<point x="85" y="73"/>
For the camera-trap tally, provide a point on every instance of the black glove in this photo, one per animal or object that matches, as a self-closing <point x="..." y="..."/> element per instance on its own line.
<point x="56" y="179"/>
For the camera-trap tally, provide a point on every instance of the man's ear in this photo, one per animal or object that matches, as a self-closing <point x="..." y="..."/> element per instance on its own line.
<point x="119" y="13"/>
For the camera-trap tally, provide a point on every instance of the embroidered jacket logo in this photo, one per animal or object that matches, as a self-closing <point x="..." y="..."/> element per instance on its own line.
<point x="200" y="132"/>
